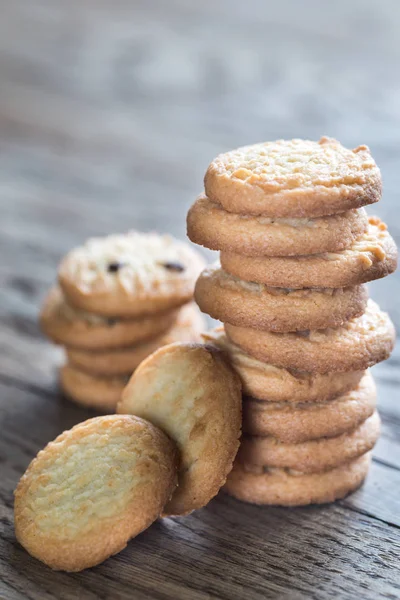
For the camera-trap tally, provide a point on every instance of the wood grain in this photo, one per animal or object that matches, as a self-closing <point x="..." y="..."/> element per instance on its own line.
<point x="110" y="112"/>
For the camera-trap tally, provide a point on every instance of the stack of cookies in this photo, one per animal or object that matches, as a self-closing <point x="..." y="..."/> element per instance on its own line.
<point x="296" y="248"/>
<point x="118" y="299"/>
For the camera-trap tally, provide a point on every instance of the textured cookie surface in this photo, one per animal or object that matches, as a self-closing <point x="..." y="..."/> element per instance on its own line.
<point x="211" y="226"/>
<point x="130" y="275"/>
<point x="92" y="489"/>
<point x="190" y="392"/>
<point x="100" y="393"/>
<point x="284" y="487"/>
<point x="187" y="328"/>
<point x="77" y="328"/>
<point x="356" y="345"/>
<point x="294" y="178"/>
<point x="296" y="422"/>
<point x="372" y="256"/>
<point x="311" y="456"/>
<point x="274" y="384"/>
<point x="248" y="304"/>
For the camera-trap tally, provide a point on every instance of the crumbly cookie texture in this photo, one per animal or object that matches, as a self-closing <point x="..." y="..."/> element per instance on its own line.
<point x="248" y="304"/>
<point x="65" y="324"/>
<point x="187" y="328"/>
<point x="356" y="345"/>
<point x="92" y="391"/>
<point x="209" y="225"/>
<point x="294" y="178"/>
<point x="311" y="456"/>
<point x="191" y="393"/>
<point x="130" y="275"/>
<point x="285" y="487"/>
<point x="92" y="489"/>
<point x="297" y="422"/>
<point x="372" y="256"/>
<point x="267" y="382"/>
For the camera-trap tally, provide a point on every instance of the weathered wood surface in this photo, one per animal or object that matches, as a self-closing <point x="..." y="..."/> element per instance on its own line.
<point x="109" y="114"/>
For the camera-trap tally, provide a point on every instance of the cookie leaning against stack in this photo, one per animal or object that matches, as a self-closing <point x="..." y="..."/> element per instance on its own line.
<point x="296" y="248"/>
<point x="119" y="298"/>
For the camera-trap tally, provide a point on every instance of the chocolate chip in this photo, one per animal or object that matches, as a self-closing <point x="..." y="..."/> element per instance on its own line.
<point x="174" y="266"/>
<point x="112" y="322"/>
<point x="114" y="267"/>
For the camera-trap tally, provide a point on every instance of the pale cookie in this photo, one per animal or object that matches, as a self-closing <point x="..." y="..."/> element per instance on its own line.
<point x="188" y="327"/>
<point x="211" y="226"/>
<point x="294" y="178"/>
<point x="191" y="393"/>
<point x="355" y="346"/>
<point x="91" y="490"/>
<point x="284" y="487"/>
<point x="273" y="384"/>
<point x="312" y="456"/>
<point x="93" y="391"/>
<point x="296" y="422"/>
<point x="69" y="326"/>
<point x="247" y="304"/>
<point x="372" y="256"/>
<point x="130" y="275"/>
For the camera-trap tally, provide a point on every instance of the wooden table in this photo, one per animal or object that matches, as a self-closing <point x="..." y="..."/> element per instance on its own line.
<point x="109" y="114"/>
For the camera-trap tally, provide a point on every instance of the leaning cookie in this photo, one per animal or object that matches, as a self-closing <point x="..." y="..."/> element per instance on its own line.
<point x="294" y="178"/>
<point x="356" y="345"/>
<point x="247" y="304"/>
<point x="191" y="393"/>
<point x="91" y="391"/>
<point x="130" y="275"/>
<point x="187" y="328"/>
<point x="284" y="487"/>
<point x="209" y="225"/>
<point x="76" y="328"/>
<point x="94" y="488"/>
<point x="372" y="256"/>
<point x="312" y="456"/>
<point x="274" y="384"/>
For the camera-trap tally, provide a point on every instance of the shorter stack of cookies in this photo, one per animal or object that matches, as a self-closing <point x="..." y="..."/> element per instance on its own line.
<point x="118" y="299"/>
<point x="296" y="248"/>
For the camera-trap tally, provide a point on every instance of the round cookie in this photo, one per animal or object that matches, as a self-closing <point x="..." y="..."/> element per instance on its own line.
<point x="209" y="225"/>
<point x="191" y="393"/>
<point x="274" y="384"/>
<point x="247" y="304"/>
<point x="312" y="456"/>
<point x="283" y="487"/>
<point x="100" y="393"/>
<point x="297" y="422"/>
<point x="130" y="275"/>
<point x="94" y="488"/>
<point x="356" y="345"/>
<point x="294" y="178"/>
<point x="372" y="256"/>
<point x="123" y="361"/>
<point x="69" y="326"/>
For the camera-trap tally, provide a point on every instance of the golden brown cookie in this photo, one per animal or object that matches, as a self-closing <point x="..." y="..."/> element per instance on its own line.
<point x="100" y="393"/>
<point x="130" y="275"/>
<point x="274" y="384"/>
<point x="187" y="328"/>
<point x="372" y="256"/>
<point x="211" y="226"/>
<point x="191" y="393"/>
<point x="76" y="328"/>
<point x="246" y="304"/>
<point x="284" y="487"/>
<point x="356" y="345"/>
<point x="94" y="488"/>
<point x="294" y="178"/>
<point x="296" y="422"/>
<point x="312" y="456"/>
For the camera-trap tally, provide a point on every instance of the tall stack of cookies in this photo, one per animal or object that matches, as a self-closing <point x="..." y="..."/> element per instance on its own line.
<point x="296" y="248"/>
<point x="118" y="299"/>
